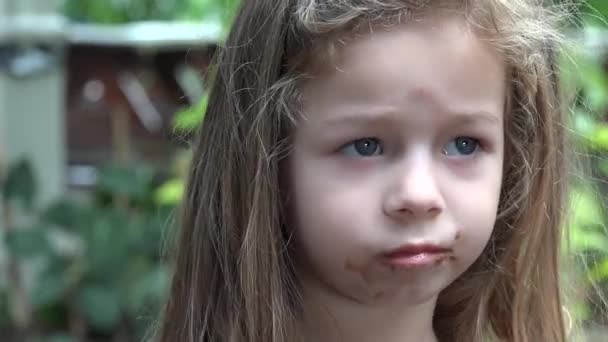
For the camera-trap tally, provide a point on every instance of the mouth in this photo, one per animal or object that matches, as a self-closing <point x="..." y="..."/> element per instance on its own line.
<point x="416" y="256"/>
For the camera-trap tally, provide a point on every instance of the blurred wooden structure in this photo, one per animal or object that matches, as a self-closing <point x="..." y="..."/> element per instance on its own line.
<point x="74" y="96"/>
<point x="124" y="85"/>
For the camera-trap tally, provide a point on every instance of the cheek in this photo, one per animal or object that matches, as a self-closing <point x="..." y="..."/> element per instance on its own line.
<point x="324" y="238"/>
<point x="326" y="216"/>
<point x="475" y="216"/>
<point x="327" y="205"/>
<point x="331" y="218"/>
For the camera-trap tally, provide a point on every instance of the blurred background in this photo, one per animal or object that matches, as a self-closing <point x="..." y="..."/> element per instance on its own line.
<point x="98" y="101"/>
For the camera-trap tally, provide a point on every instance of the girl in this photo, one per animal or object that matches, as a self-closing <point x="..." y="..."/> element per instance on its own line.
<point x="376" y="170"/>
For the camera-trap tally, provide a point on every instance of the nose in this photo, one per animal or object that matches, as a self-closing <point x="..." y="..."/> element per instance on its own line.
<point x="414" y="191"/>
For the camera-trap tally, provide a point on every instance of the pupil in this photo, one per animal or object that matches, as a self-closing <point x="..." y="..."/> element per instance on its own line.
<point x="366" y="147"/>
<point x="465" y="145"/>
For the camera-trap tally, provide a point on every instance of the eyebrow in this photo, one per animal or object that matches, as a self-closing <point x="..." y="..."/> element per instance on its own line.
<point x="390" y="117"/>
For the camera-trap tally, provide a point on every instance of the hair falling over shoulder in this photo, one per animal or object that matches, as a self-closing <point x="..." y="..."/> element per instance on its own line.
<point x="234" y="280"/>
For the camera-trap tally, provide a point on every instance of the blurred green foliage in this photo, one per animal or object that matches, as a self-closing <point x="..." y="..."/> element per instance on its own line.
<point x="98" y="263"/>
<point x="91" y="269"/>
<point x="585" y="73"/>
<point x="190" y="118"/>
<point x="124" y="11"/>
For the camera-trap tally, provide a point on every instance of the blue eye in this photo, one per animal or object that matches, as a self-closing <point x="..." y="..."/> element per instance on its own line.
<point x="366" y="147"/>
<point x="461" y="146"/>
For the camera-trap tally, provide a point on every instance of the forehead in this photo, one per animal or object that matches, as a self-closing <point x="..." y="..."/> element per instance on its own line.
<point x="435" y="60"/>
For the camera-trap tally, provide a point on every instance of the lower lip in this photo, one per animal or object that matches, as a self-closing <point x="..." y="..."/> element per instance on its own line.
<point x="419" y="260"/>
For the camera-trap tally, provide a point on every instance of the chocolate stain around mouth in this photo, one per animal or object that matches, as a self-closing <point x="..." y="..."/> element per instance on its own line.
<point x="364" y="270"/>
<point x="369" y="274"/>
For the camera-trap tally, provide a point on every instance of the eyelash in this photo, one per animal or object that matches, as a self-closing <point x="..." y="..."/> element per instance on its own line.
<point x="350" y="149"/>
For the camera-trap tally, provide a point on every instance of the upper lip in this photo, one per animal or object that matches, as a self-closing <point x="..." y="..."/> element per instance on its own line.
<point x="414" y="249"/>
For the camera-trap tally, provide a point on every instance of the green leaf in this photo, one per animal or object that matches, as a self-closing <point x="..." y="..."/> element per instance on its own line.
<point x="170" y="193"/>
<point x="135" y="270"/>
<point x="20" y="184"/>
<point x="60" y="275"/>
<point x="599" y="138"/>
<point x="589" y="73"/>
<point x="589" y="240"/>
<point x="149" y="289"/>
<point x="587" y="222"/>
<point x="580" y="311"/>
<point x="584" y="125"/>
<point x="134" y="10"/>
<point x="145" y="233"/>
<point x="598" y="10"/>
<point x="600" y="271"/>
<point x="50" y="288"/>
<point x="155" y="284"/>
<point x="134" y="182"/>
<point x="101" y="307"/>
<point x="107" y="247"/>
<point x="26" y="243"/>
<point x="67" y="214"/>
<point x="104" y="12"/>
<point x="586" y="209"/>
<point x="190" y="118"/>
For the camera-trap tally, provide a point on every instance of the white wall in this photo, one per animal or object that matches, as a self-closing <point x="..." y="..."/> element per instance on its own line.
<point x="32" y="116"/>
<point x="32" y="106"/>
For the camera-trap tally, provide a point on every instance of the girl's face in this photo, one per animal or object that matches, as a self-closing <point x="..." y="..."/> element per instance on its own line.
<point x="401" y="148"/>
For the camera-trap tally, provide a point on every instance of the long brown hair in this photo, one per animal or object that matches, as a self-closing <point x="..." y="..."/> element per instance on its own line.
<point x="234" y="279"/>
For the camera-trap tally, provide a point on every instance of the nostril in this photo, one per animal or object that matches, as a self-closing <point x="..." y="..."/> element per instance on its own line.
<point x="409" y="211"/>
<point x="434" y="211"/>
<point x="406" y="211"/>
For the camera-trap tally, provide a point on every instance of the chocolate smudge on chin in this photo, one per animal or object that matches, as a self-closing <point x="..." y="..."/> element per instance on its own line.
<point x="367" y="271"/>
<point x="371" y="274"/>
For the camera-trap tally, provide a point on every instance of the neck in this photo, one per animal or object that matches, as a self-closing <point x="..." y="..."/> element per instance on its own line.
<point x="329" y="317"/>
